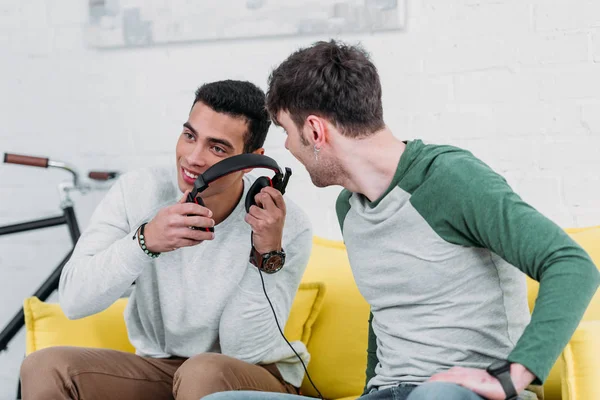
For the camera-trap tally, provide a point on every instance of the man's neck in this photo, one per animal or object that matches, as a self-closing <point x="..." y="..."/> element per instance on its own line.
<point x="370" y="163"/>
<point x="223" y="204"/>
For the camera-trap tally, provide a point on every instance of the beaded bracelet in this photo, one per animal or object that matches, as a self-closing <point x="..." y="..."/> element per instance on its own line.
<point x="142" y="241"/>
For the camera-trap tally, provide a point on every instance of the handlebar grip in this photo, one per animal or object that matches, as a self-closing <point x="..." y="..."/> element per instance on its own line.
<point x="26" y="160"/>
<point x="102" y="175"/>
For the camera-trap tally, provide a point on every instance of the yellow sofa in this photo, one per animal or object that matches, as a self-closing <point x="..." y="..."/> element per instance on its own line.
<point x="333" y="324"/>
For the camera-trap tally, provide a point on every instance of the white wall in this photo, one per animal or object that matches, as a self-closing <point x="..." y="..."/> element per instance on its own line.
<point x="515" y="81"/>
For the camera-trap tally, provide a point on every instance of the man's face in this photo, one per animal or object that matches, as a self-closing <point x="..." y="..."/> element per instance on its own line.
<point x="207" y="138"/>
<point x="323" y="169"/>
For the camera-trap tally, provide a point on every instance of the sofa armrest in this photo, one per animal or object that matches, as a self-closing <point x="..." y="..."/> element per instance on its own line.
<point x="580" y="377"/>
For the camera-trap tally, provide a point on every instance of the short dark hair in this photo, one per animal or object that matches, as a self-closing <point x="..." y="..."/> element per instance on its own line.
<point x="239" y="99"/>
<point x="330" y="79"/>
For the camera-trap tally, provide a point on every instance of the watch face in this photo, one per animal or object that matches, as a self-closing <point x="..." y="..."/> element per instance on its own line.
<point x="273" y="263"/>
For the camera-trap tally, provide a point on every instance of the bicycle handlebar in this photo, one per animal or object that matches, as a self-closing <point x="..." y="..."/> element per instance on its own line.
<point x="46" y="163"/>
<point x="102" y="175"/>
<point x="26" y="160"/>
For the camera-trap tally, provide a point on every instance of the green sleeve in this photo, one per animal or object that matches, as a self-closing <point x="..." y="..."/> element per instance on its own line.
<point x="468" y="204"/>
<point x="372" y="360"/>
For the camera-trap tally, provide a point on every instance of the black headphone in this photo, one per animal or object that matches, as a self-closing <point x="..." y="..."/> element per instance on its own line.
<point x="238" y="163"/>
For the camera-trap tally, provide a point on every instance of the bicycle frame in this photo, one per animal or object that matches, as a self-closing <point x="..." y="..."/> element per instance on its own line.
<point x="68" y="218"/>
<point x="51" y="284"/>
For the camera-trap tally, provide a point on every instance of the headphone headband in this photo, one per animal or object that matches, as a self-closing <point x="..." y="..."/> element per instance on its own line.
<point x="234" y="164"/>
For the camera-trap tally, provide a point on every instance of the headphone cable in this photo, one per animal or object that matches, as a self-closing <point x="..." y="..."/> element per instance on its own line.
<point x="283" y="335"/>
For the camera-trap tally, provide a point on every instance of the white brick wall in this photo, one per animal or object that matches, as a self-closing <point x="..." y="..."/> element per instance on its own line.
<point x="515" y="81"/>
<point x="556" y="15"/>
<point x="595" y="47"/>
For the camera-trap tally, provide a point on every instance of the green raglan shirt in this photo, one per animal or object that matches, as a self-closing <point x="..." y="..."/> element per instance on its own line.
<point x="440" y="258"/>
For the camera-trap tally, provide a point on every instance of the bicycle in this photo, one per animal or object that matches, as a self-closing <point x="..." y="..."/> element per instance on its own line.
<point x="68" y="217"/>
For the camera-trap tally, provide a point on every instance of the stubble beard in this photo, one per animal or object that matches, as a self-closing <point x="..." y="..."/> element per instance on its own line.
<point x="324" y="172"/>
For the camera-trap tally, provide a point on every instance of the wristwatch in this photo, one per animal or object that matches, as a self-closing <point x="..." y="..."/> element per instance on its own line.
<point x="501" y="371"/>
<point x="270" y="262"/>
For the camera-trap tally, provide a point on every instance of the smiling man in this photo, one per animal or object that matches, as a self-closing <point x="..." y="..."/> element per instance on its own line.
<point x="197" y="316"/>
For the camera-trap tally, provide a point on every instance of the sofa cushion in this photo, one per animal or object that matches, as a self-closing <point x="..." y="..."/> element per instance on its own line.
<point x="305" y="309"/>
<point x="581" y="363"/>
<point x="338" y="344"/>
<point x="46" y="325"/>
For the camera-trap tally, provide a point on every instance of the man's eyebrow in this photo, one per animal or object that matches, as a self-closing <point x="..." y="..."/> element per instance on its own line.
<point x="223" y="142"/>
<point x="187" y="125"/>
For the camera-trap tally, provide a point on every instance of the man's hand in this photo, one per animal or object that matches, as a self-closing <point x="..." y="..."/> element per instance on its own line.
<point x="170" y="228"/>
<point x="267" y="220"/>
<point x="482" y="383"/>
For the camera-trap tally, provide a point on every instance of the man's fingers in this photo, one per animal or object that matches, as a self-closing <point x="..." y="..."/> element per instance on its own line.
<point x="258" y="212"/>
<point x="184" y="198"/>
<point x="192" y="209"/>
<point x="197" y="221"/>
<point x="276" y="196"/>
<point x="447" y="376"/>
<point x="265" y="201"/>
<point x="436" y="378"/>
<point x="197" y="235"/>
<point x="254" y="222"/>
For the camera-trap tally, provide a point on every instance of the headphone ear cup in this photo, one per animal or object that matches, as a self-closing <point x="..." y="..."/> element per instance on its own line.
<point x="256" y="187"/>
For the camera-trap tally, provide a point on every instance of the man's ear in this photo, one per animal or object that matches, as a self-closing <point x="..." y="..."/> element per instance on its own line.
<point x="260" y="151"/>
<point x="317" y="130"/>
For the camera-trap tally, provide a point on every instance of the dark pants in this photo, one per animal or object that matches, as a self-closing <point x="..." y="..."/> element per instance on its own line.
<point x="432" y="391"/>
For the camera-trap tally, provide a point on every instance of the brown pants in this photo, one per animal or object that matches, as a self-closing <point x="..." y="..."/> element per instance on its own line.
<point x="59" y="373"/>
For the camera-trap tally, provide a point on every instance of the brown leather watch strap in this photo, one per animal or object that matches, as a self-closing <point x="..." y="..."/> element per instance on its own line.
<point x="255" y="257"/>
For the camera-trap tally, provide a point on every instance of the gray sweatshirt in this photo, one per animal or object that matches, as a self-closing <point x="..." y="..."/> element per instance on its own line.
<point x="205" y="298"/>
<point x="441" y="257"/>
